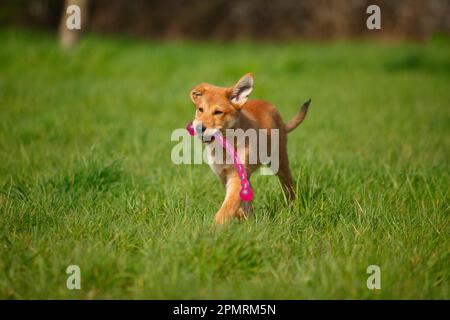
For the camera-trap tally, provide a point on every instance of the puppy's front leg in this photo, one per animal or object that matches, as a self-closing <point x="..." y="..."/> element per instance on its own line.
<point x="232" y="200"/>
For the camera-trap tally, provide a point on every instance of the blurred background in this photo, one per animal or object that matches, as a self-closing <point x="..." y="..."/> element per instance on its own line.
<point x="239" y="19"/>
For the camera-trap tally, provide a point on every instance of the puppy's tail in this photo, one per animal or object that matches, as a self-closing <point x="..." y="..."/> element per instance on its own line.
<point x="299" y="117"/>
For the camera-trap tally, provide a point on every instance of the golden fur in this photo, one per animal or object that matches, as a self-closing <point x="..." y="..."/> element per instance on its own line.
<point x="228" y="108"/>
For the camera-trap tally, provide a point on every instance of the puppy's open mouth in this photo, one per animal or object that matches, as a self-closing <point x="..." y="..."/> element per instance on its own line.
<point x="208" y="139"/>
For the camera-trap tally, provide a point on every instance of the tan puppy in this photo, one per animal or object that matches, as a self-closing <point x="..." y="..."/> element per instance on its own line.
<point x="221" y="108"/>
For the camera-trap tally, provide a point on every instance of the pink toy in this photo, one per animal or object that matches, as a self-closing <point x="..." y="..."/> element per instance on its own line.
<point x="246" y="193"/>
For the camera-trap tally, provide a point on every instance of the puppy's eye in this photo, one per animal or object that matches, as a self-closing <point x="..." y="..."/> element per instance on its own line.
<point x="196" y="94"/>
<point x="217" y="112"/>
<point x="200" y="109"/>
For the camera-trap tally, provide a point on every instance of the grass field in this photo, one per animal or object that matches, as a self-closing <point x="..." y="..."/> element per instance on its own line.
<point x="86" y="176"/>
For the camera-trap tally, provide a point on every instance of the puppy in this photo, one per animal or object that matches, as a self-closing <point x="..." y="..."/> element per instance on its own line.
<point x="219" y="108"/>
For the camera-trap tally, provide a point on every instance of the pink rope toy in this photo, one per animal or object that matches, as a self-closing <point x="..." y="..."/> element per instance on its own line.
<point x="246" y="193"/>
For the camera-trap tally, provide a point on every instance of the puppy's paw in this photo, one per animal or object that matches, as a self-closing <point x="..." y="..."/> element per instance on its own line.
<point x="241" y="215"/>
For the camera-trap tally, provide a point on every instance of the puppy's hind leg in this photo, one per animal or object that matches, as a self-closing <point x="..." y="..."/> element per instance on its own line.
<point x="284" y="174"/>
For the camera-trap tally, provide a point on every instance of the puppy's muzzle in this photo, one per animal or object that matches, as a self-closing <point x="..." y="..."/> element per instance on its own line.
<point x="200" y="130"/>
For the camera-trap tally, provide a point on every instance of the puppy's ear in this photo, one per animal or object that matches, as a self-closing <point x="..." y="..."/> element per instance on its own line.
<point x="196" y="93"/>
<point x="238" y="94"/>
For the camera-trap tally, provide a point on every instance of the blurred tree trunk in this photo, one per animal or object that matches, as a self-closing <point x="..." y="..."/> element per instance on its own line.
<point x="69" y="38"/>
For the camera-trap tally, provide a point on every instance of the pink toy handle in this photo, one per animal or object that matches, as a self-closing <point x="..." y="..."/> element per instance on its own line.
<point x="190" y="129"/>
<point x="246" y="193"/>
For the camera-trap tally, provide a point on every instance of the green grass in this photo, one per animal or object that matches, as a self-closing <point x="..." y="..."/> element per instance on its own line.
<point x="86" y="176"/>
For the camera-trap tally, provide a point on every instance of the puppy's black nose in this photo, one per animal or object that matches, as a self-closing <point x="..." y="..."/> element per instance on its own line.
<point x="200" y="128"/>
